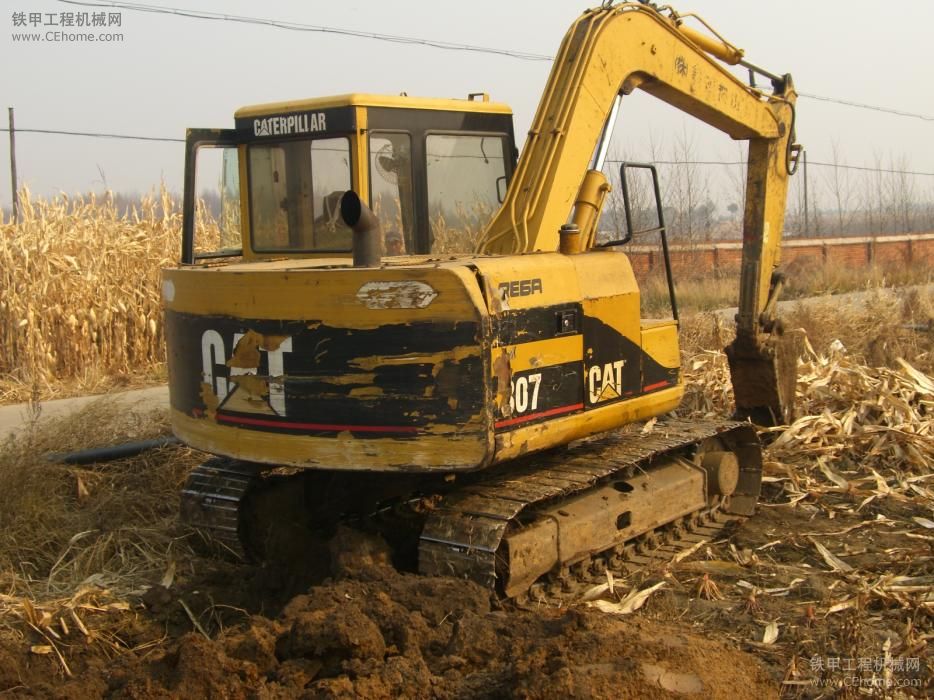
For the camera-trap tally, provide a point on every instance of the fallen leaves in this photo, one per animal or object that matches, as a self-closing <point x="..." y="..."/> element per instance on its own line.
<point x="632" y="602"/>
<point x="833" y="561"/>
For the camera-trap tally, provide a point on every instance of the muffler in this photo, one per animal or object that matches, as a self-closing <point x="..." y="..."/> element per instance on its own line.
<point x="367" y="234"/>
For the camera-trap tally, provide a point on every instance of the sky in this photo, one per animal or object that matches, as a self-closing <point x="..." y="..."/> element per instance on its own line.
<point x="171" y="72"/>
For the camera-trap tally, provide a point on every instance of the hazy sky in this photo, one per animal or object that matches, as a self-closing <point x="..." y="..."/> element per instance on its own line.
<point x="170" y="73"/>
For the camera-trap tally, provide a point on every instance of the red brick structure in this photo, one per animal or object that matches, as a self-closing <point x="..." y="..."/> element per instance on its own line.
<point x="911" y="249"/>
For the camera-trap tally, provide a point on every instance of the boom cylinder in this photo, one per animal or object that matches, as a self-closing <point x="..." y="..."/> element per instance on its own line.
<point x="589" y="204"/>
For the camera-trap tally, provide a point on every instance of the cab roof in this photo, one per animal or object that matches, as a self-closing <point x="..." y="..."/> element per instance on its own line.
<point x="367" y="100"/>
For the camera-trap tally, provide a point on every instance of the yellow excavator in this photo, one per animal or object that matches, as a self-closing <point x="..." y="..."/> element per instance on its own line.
<point x="399" y="311"/>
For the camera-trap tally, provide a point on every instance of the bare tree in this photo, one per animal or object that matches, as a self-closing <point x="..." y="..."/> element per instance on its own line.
<point x="841" y="191"/>
<point x="690" y="188"/>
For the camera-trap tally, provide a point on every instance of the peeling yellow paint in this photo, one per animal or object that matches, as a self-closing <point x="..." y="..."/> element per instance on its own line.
<point x="246" y="354"/>
<point x="352" y="378"/>
<point x="437" y="358"/>
<point x="542" y="353"/>
<point x="502" y="370"/>
<point x="366" y="391"/>
<point x="210" y="400"/>
<point x="439" y="450"/>
<point x="251" y="384"/>
<point x="271" y="343"/>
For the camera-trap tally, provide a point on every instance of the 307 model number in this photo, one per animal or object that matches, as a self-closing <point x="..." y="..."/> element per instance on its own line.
<point x="525" y="393"/>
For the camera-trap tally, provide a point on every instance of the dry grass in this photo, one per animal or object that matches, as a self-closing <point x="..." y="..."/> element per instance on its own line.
<point x="63" y="527"/>
<point x="874" y="330"/>
<point x="78" y="543"/>
<point x="717" y="289"/>
<point x="464" y="236"/>
<point x="832" y="582"/>
<point x="81" y="294"/>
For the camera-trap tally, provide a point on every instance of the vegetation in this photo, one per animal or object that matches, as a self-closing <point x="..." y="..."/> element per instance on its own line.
<point x="706" y="290"/>
<point x="80" y="310"/>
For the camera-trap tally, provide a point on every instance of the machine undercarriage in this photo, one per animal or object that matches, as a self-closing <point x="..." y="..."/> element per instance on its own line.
<point x="552" y="517"/>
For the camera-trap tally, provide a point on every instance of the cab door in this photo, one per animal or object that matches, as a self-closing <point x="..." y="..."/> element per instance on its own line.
<point x="212" y="211"/>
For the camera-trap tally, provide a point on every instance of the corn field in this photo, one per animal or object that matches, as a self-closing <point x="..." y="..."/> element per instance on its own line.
<point x="80" y="287"/>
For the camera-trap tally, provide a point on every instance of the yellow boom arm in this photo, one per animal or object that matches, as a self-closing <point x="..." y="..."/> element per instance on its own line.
<point x="611" y="51"/>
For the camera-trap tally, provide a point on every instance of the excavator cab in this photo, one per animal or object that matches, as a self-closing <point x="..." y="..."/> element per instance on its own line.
<point x="433" y="170"/>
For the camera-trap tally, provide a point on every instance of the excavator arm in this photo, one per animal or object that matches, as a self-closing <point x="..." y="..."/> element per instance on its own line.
<point x="610" y="52"/>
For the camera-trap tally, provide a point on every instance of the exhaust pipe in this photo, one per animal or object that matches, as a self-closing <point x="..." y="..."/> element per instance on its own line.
<point x="367" y="235"/>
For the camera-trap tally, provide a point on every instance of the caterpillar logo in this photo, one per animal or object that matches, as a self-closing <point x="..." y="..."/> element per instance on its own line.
<point x="606" y="381"/>
<point x="306" y="123"/>
<point x="520" y="288"/>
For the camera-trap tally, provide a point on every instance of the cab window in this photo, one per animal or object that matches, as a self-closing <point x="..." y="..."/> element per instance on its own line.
<point x="391" y="191"/>
<point x="466" y="175"/>
<point x="295" y="192"/>
<point x="216" y="202"/>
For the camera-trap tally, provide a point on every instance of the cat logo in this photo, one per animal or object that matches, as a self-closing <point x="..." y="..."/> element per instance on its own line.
<point x="236" y="386"/>
<point x="605" y="381"/>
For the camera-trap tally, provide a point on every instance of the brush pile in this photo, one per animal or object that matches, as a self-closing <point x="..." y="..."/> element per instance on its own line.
<point x="833" y="579"/>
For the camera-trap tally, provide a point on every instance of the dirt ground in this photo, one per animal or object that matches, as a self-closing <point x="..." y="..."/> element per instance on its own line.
<point x="374" y="632"/>
<point x="390" y="635"/>
<point x="828" y="591"/>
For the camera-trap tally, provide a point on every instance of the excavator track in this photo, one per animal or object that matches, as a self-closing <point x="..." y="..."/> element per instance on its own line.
<point x="212" y="498"/>
<point x="593" y="500"/>
<point x="557" y="520"/>
<point x="644" y="558"/>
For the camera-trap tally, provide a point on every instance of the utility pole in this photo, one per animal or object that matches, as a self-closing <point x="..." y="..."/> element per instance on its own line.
<point x="807" y="224"/>
<point x="13" y="168"/>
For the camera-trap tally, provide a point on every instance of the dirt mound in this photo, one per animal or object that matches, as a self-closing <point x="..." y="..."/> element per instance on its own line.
<point x="408" y="636"/>
<point x="378" y="633"/>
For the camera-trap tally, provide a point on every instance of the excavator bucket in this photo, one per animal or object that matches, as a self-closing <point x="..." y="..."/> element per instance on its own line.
<point x="764" y="376"/>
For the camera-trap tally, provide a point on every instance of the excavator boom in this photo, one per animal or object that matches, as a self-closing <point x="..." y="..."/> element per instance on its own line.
<point x="609" y="52"/>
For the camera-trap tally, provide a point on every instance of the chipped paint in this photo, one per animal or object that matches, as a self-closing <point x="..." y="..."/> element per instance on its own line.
<point x="407" y="294"/>
<point x="367" y="378"/>
<point x="498" y="298"/>
<point x="436" y="359"/>
<point x="365" y="391"/>
<point x="249" y="394"/>
<point x="246" y="353"/>
<point x="502" y="371"/>
<point x="210" y="400"/>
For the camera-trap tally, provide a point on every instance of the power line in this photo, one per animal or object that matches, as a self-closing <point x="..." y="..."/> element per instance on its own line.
<point x="130" y="137"/>
<point x="96" y="135"/>
<point x="432" y="43"/>
<point x="872" y="170"/>
<point x="891" y="171"/>
<point x="299" y="27"/>
<point x="860" y="105"/>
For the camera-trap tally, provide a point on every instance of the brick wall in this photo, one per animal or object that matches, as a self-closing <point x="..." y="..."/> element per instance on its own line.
<point x="914" y="249"/>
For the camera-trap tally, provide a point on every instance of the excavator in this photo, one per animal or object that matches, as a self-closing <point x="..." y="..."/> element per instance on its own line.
<point x="347" y="349"/>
